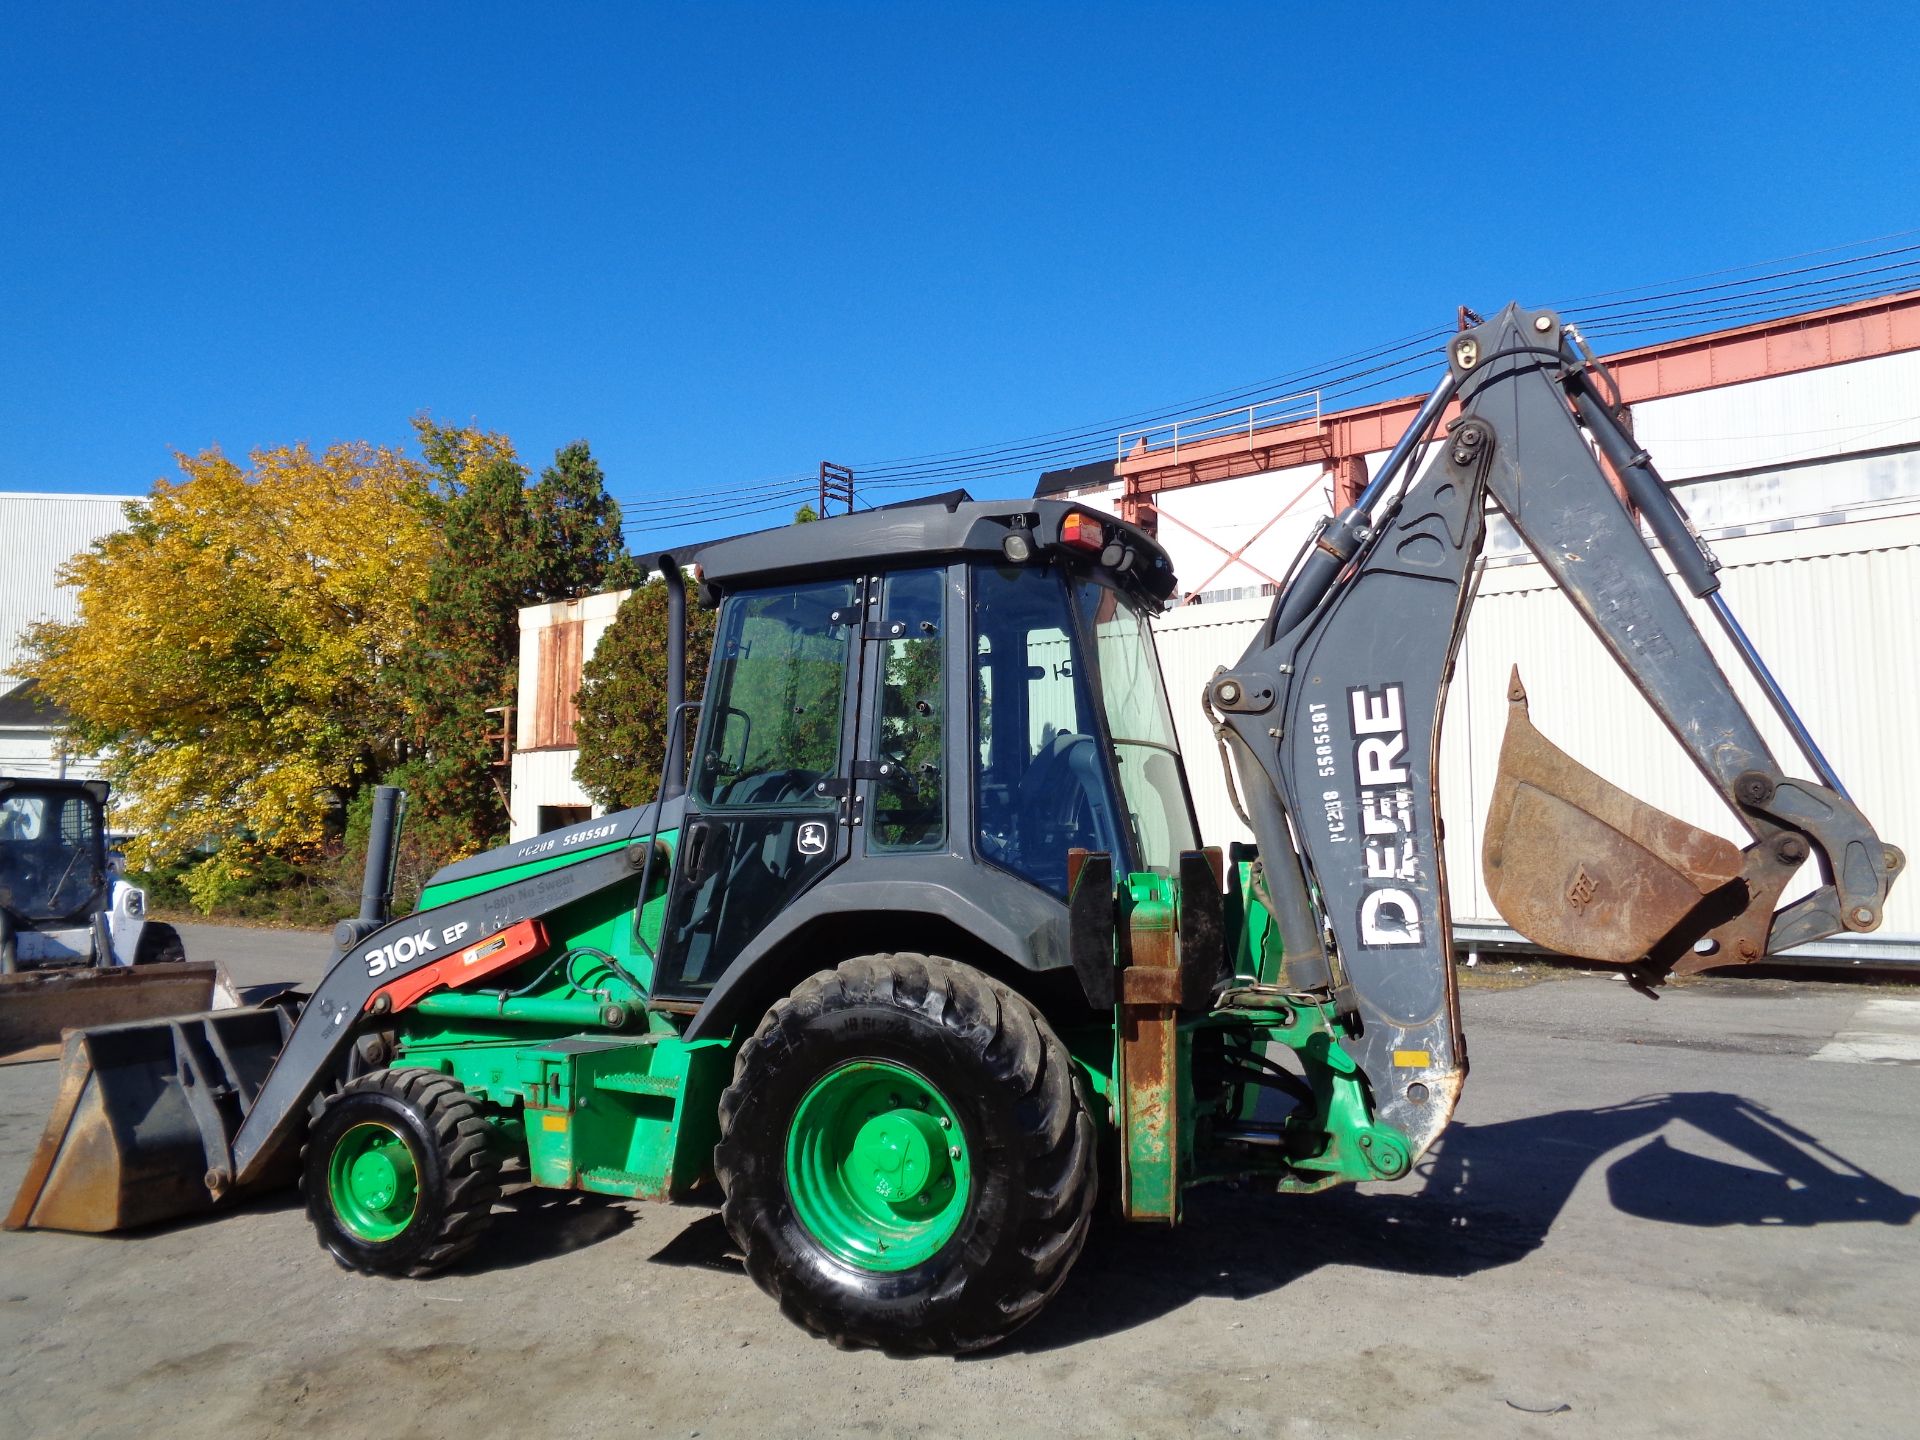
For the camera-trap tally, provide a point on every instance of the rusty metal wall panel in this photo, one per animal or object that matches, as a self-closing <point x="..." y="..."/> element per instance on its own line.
<point x="593" y="613"/>
<point x="544" y="776"/>
<point x="555" y="683"/>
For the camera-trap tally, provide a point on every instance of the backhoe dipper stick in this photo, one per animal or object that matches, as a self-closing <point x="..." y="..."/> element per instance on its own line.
<point x="1334" y="716"/>
<point x="1695" y="564"/>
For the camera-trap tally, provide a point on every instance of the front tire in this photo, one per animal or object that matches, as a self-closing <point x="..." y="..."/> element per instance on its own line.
<point x="160" y="944"/>
<point x="907" y="1159"/>
<point x="399" y="1173"/>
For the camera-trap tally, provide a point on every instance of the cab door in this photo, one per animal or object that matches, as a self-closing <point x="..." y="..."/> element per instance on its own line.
<point x="902" y="788"/>
<point x="767" y="800"/>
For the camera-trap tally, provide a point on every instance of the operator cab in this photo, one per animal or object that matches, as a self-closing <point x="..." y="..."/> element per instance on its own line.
<point x="951" y="692"/>
<point x="53" y="850"/>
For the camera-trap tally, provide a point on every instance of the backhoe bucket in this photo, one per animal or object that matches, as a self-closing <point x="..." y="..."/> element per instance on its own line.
<point x="144" y="1119"/>
<point x="36" y="1006"/>
<point x="1579" y="866"/>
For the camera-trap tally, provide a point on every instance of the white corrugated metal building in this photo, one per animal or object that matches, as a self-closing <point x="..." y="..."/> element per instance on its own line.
<point x="1806" y="485"/>
<point x="1821" y="602"/>
<point x="43" y="532"/>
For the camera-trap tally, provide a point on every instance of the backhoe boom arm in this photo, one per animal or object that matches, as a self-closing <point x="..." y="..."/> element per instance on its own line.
<point x="1333" y="719"/>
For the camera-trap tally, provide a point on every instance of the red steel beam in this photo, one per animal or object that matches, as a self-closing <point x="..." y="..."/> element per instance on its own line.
<point x="1859" y="330"/>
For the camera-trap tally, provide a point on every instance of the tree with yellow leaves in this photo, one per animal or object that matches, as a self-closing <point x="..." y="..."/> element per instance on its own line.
<point x="233" y="656"/>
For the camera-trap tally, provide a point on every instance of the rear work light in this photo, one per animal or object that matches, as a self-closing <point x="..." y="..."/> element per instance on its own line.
<point x="1083" y="532"/>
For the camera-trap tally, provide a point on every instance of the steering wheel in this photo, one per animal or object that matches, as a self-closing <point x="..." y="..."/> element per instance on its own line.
<point x="1061" y="802"/>
<point x="770" y="787"/>
<point x="713" y="759"/>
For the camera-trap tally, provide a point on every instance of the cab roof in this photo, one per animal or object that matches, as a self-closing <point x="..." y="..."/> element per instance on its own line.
<point x="944" y="527"/>
<point x="46" y="785"/>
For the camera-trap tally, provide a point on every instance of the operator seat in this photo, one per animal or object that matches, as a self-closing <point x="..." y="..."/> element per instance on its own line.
<point x="1062" y="806"/>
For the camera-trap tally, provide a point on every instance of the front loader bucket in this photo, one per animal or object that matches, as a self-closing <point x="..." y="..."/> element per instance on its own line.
<point x="1579" y="866"/>
<point x="144" y="1118"/>
<point x="36" y="1006"/>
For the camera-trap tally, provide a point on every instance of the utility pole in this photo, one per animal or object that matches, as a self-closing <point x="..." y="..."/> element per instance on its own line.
<point x="836" y="483"/>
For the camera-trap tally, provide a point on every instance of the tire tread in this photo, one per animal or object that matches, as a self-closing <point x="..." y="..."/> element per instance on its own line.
<point x="461" y="1134"/>
<point x="1018" y="1052"/>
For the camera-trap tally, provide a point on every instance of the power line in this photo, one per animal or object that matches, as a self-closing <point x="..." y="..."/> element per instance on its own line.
<point x="1751" y="264"/>
<point x="1100" y="443"/>
<point x="1899" y="268"/>
<point x="738" y="508"/>
<point x="1691" y="319"/>
<point x="1105" y="431"/>
<point x="1107" y="426"/>
<point x="1619" y="313"/>
<point x="701" y="502"/>
<point x="1711" y="302"/>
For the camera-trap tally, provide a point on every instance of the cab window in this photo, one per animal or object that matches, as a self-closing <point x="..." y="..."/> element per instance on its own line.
<point x="772" y="726"/>
<point x="1042" y="781"/>
<point x="909" y="734"/>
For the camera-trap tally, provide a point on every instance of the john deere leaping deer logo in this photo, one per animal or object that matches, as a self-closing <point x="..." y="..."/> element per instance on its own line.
<point x="1581" y="892"/>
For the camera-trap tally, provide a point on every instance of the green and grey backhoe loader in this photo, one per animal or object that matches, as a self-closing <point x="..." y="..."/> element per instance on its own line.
<point x="917" y="956"/>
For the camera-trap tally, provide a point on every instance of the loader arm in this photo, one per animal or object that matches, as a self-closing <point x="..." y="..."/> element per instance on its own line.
<point x="1333" y="715"/>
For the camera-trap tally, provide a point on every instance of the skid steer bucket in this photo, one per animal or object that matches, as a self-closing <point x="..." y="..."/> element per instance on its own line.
<point x="144" y="1118"/>
<point x="1579" y="866"/>
<point x="36" y="1006"/>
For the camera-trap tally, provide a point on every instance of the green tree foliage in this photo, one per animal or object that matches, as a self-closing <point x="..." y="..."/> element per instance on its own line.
<point x="462" y="664"/>
<point x="577" y="528"/>
<point x="506" y="545"/>
<point x="267" y="639"/>
<point x="232" y="656"/>
<point x="622" y="727"/>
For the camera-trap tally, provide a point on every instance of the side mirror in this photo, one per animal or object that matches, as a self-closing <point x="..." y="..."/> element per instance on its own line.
<point x="116" y="862"/>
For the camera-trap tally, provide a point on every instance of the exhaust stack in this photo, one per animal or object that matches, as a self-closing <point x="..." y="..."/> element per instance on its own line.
<point x="376" y="887"/>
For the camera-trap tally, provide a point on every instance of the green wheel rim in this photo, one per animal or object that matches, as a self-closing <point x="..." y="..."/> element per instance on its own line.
<point x="373" y="1181"/>
<point x="877" y="1166"/>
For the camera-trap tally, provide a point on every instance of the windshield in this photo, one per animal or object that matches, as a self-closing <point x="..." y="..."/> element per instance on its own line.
<point x="50" y="855"/>
<point x="1146" y="750"/>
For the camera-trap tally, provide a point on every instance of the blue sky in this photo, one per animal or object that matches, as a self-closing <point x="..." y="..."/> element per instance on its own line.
<point x="725" y="242"/>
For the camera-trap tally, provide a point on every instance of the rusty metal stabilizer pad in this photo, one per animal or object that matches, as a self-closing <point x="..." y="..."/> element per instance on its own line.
<point x="1579" y="866"/>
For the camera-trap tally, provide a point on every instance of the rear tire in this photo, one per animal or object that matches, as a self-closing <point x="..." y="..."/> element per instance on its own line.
<point x="399" y="1173"/>
<point x="893" y="1055"/>
<point x="160" y="944"/>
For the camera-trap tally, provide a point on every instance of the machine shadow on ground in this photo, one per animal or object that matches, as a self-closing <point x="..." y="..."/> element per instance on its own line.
<point x="1487" y="1197"/>
<point x="531" y="1224"/>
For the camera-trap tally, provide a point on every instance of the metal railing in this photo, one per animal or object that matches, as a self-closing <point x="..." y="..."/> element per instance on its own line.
<point x="1224" y="424"/>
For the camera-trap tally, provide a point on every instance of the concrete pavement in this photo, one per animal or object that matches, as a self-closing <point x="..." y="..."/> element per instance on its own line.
<point x="1686" y="1218"/>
